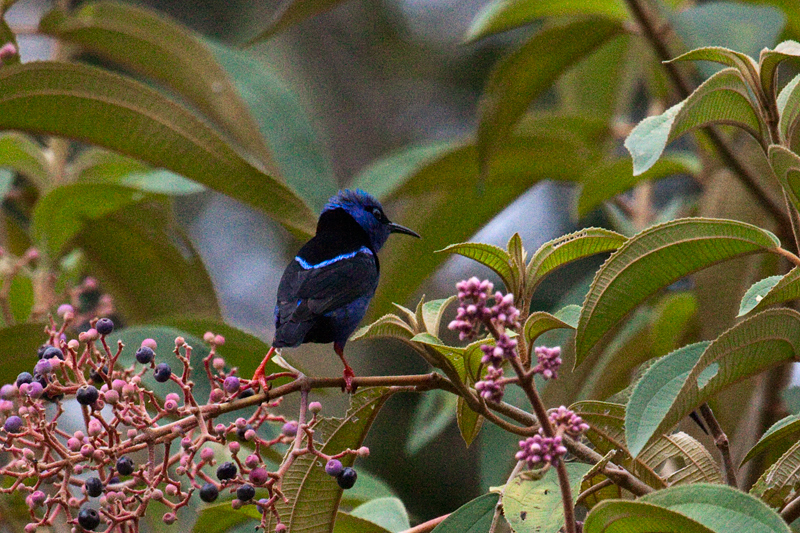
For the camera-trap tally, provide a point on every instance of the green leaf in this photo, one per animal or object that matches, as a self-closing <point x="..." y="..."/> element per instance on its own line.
<point x="488" y="255"/>
<point x="18" y="344"/>
<point x="694" y="463"/>
<point x="389" y="513"/>
<point x="779" y="481"/>
<point x="786" y="165"/>
<point x="368" y="488"/>
<point x="64" y="212"/>
<point x="719" y="507"/>
<point x="789" y="110"/>
<point x="433" y="311"/>
<point x="222" y="518"/>
<point x="723" y="98"/>
<point x="504" y="15"/>
<point x="88" y="104"/>
<point x="21" y="154"/>
<point x="673" y="387"/>
<point x="534" y="506"/>
<point x="101" y="166"/>
<point x="527" y="72"/>
<point x="670" y="319"/>
<point x="447" y="187"/>
<point x="571" y="247"/>
<point x="391" y="326"/>
<point x="656" y="258"/>
<point x="469" y="422"/>
<point x="569" y="314"/>
<point x="769" y="60"/>
<point x="347" y="523"/>
<point x="619" y="516"/>
<point x="20" y="297"/>
<point x="540" y="322"/>
<point x="148" y="264"/>
<point x="610" y="178"/>
<point x="785" y="429"/>
<point x="434" y="412"/>
<point x="150" y="43"/>
<point x="293" y="12"/>
<point x="743" y="63"/>
<point x="787" y="289"/>
<point x="757" y="292"/>
<point x="473" y="517"/>
<point x="594" y="477"/>
<point x="447" y="356"/>
<point x="312" y="498"/>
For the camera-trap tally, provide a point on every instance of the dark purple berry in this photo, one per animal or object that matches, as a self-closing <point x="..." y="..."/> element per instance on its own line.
<point x="13" y="424"/>
<point x="231" y="384"/>
<point x="40" y="351"/>
<point x="97" y="377"/>
<point x="124" y="466"/>
<point x="87" y="395"/>
<point x="246" y="493"/>
<point x="209" y="493"/>
<point x="104" y="326"/>
<point x="94" y="487"/>
<point x="145" y="355"/>
<point x="334" y="467"/>
<point x="113" y="480"/>
<point x="246" y="393"/>
<point x="226" y="471"/>
<point x="241" y="431"/>
<point x="24" y="377"/>
<point x="88" y="518"/>
<point x="162" y="372"/>
<point x="347" y="478"/>
<point x="51" y="352"/>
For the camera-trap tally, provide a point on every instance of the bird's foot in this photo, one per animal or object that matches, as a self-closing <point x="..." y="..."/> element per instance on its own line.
<point x="349" y="386"/>
<point x="259" y="376"/>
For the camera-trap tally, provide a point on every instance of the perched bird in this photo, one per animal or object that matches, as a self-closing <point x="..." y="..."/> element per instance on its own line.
<point x="325" y="290"/>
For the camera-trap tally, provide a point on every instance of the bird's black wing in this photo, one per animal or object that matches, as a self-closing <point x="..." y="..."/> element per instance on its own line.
<point x="304" y="294"/>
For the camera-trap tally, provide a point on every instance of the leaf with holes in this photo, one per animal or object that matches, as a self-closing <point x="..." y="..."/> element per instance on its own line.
<point x="313" y="497"/>
<point x="721" y="99"/>
<point x="785" y="290"/>
<point x="758" y="291"/>
<point x="676" y="385"/>
<point x="653" y="260"/>
<point x="571" y="247"/>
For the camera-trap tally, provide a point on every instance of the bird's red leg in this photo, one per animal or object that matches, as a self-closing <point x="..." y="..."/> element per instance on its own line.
<point x="259" y="376"/>
<point x="348" y="372"/>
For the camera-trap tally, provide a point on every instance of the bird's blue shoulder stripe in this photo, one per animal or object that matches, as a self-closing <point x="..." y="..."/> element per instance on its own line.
<point x="307" y="266"/>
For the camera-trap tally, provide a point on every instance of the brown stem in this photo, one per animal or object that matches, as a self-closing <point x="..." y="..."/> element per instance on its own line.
<point x="791" y="512"/>
<point x="721" y="441"/>
<point x="425" y="527"/>
<point x="591" y="490"/>
<point x="727" y="153"/>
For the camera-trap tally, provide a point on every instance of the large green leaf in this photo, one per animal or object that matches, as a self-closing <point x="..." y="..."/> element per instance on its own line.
<point x="313" y="496"/>
<point x="434" y="412"/>
<point x="21" y="154"/>
<point x="722" y="99"/>
<point x="473" y="517"/>
<point x="88" y="104"/>
<point x="571" y="247"/>
<point x="784" y="430"/>
<point x="674" y="386"/>
<point x="719" y="507"/>
<point x="534" y="505"/>
<point x="503" y="15"/>
<point x="293" y="12"/>
<point x="152" y="44"/>
<point x="610" y="178"/>
<point x="656" y="258"/>
<point x="64" y="212"/>
<point x="527" y="72"/>
<point x="389" y="513"/>
<point x="429" y="186"/>
<point x="618" y="516"/>
<point x="133" y="253"/>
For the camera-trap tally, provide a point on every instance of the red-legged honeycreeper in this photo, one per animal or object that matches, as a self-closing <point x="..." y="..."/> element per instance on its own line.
<point x="325" y="290"/>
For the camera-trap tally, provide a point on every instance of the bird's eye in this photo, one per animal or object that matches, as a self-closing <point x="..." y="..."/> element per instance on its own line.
<point x="377" y="213"/>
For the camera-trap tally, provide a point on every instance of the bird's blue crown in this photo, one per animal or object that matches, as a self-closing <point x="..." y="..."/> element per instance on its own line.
<point x="361" y="206"/>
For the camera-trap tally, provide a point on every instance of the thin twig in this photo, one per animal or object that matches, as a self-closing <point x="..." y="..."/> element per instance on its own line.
<point x="591" y="490"/>
<point x="721" y="441"/>
<point x="425" y="527"/>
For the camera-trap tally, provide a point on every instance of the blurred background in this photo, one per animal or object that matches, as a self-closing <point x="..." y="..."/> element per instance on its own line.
<point x="361" y="84"/>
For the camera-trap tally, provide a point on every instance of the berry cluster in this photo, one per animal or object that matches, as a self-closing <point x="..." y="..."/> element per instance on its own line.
<point x="105" y="475"/>
<point x="549" y="361"/>
<point x="542" y="449"/>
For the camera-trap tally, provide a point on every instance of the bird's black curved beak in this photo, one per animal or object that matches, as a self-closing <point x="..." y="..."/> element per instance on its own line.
<point x="397" y="228"/>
